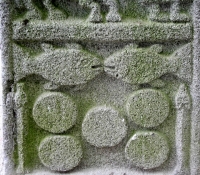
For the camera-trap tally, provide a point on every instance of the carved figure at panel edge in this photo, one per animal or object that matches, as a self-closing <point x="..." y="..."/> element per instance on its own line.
<point x="155" y="13"/>
<point x="94" y="5"/>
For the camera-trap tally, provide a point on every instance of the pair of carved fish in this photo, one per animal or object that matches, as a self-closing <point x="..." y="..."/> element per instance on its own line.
<point x="74" y="66"/>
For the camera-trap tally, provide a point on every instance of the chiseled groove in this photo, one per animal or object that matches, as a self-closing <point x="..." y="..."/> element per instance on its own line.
<point x="20" y="102"/>
<point x="183" y="107"/>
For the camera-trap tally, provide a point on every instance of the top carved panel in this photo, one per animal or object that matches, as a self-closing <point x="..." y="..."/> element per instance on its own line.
<point x="102" y="20"/>
<point x="97" y="11"/>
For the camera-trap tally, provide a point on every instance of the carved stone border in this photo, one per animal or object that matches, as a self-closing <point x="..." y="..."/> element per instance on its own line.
<point x="195" y="93"/>
<point x="7" y="117"/>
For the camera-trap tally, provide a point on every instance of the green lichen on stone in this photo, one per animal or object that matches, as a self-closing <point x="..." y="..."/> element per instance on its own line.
<point x="32" y="140"/>
<point x="132" y="9"/>
<point x="33" y="134"/>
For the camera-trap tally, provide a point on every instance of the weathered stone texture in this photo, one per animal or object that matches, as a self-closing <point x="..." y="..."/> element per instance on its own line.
<point x="104" y="87"/>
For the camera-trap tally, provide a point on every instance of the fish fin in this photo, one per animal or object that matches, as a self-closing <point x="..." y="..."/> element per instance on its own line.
<point x="158" y="48"/>
<point x="47" y="47"/>
<point x="74" y="46"/>
<point x="131" y="45"/>
<point x="21" y="62"/>
<point x="50" y="86"/>
<point x="158" y="83"/>
<point x="78" y="87"/>
<point x="184" y="58"/>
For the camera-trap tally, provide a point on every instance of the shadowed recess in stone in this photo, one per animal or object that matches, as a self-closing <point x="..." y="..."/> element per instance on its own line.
<point x="147" y="149"/>
<point x="63" y="66"/>
<point x="148" y="108"/>
<point x="104" y="127"/>
<point x="60" y="153"/>
<point x="142" y="65"/>
<point x="54" y="112"/>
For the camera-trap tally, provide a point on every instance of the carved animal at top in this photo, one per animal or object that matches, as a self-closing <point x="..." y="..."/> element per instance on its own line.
<point x="95" y="15"/>
<point x="35" y="13"/>
<point x="55" y="13"/>
<point x="175" y="8"/>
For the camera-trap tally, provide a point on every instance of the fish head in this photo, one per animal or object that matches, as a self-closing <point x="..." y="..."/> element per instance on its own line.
<point x="95" y="66"/>
<point x="116" y="67"/>
<point x="136" y="65"/>
<point x="82" y="66"/>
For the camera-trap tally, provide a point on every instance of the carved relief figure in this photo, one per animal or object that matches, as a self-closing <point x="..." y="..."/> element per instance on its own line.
<point x="175" y="14"/>
<point x="95" y="15"/>
<point x="94" y="5"/>
<point x="35" y="13"/>
<point x="69" y="66"/>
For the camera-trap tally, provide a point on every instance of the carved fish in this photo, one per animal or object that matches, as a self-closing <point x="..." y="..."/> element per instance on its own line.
<point x="60" y="66"/>
<point x="143" y="65"/>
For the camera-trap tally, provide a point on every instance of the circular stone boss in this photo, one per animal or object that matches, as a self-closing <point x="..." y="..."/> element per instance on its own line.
<point x="103" y="127"/>
<point x="54" y="112"/>
<point x="148" y="107"/>
<point x="60" y="153"/>
<point x="147" y="149"/>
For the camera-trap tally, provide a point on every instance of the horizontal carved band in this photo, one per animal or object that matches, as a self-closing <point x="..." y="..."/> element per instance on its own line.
<point x="109" y="32"/>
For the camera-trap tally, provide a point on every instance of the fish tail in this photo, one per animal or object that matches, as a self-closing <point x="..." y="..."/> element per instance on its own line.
<point x="183" y="59"/>
<point x="22" y="63"/>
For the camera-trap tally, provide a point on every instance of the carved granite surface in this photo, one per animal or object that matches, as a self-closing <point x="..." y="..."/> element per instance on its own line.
<point x="101" y="87"/>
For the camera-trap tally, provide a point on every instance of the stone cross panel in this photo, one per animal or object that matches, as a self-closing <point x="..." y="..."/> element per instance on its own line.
<point x="101" y="87"/>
